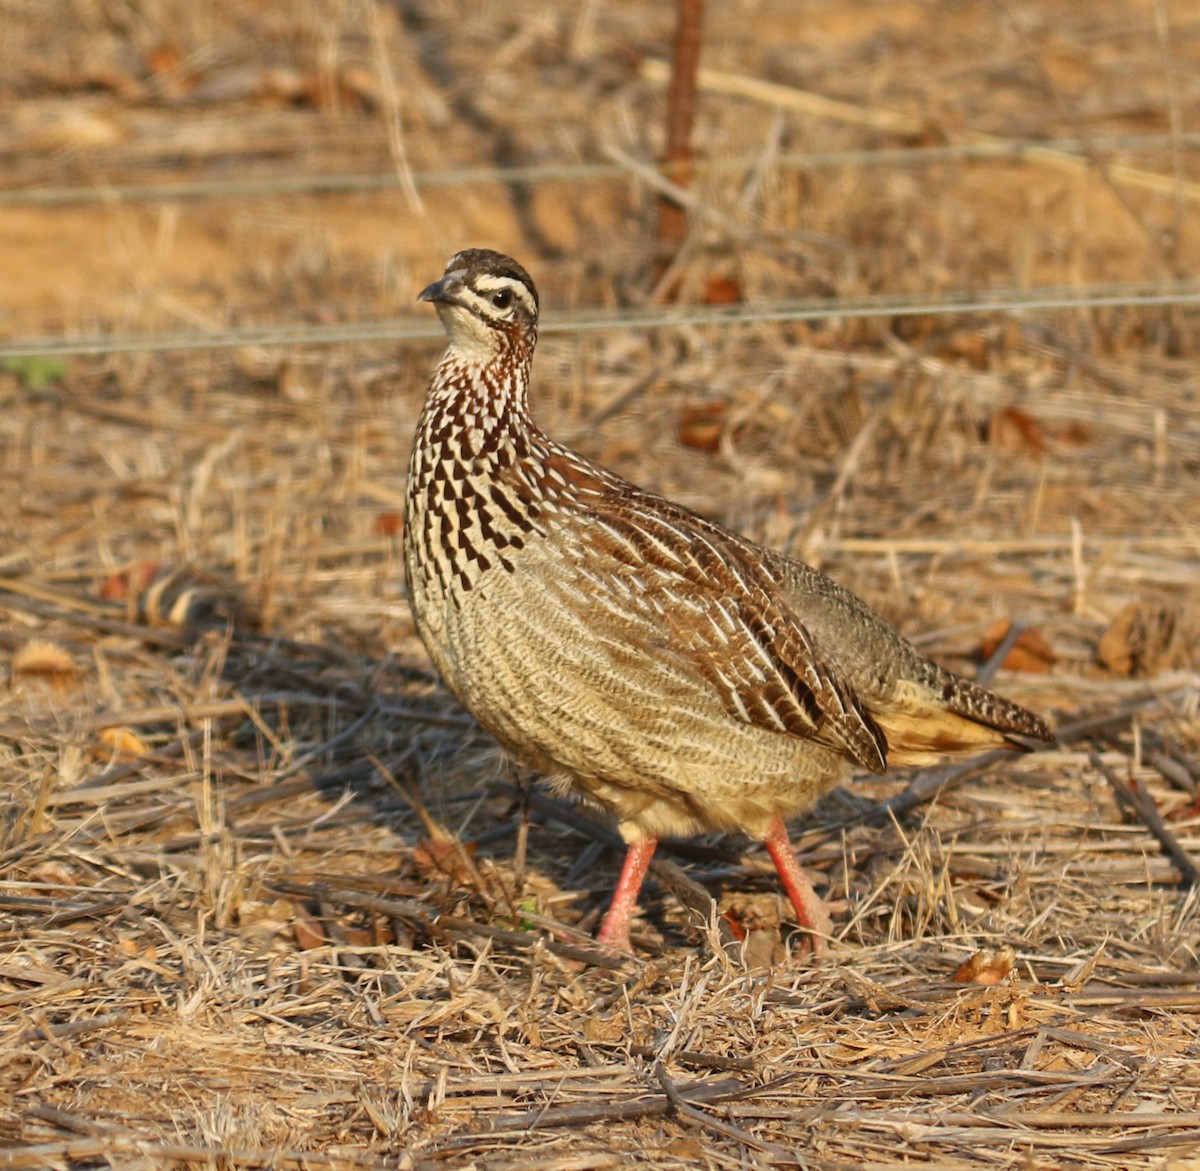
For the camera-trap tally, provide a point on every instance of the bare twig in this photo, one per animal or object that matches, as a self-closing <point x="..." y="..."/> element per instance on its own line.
<point x="590" y="1113"/>
<point x="987" y="670"/>
<point x="457" y="925"/>
<point x="1138" y="802"/>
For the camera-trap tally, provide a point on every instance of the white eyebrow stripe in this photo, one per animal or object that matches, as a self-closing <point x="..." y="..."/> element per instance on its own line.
<point x="487" y="282"/>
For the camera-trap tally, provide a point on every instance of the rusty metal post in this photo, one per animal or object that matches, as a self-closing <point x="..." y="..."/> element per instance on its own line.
<point x="681" y="116"/>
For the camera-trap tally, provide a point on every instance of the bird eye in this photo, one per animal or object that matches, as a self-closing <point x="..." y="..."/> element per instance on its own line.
<point x="502" y="298"/>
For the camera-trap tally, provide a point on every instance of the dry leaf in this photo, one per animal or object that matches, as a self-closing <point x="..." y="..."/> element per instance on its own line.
<point x="1030" y="653"/>
<point x="440" y="856"/>
<point x="388" y="524"/>
<point x="127" y="585"/>
<point x="55" y="874"/>
<point x="121" y="744"/>
<point x="986" y="967"/>
<point x="165" y="58"/>
<point x="1011" y="429"/>
<point x="167" y="65"/>
<point x="1146" y="638"/>
<point x="337" y="93"/>
<point x="762" y="949"/>
<point x="970" y="345"/>
<point x="721" y="290"/>
<point x="1185" y="812"/>
<point x="1074" y="434"/>
<point x="308" y="929"/>
<point x="753" y="921"/>
<point x="700" y="427"/>
<point x="361" y="87"/>
<point x="46" y="661"/>
<point x="734" y="923"/>
<point x="378" y="933"/>
<point x="604" y="1029"/>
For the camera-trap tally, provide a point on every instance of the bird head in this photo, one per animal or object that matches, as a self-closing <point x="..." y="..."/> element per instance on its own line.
<point x="487" y="302"/>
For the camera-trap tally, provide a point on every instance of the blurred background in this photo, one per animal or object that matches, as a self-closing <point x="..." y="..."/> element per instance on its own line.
<point x="928" y="320"/>
<point x="172" y="164"/>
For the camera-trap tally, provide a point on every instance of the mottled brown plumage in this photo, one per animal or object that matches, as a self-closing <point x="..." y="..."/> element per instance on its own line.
<point x="642" y="657"/>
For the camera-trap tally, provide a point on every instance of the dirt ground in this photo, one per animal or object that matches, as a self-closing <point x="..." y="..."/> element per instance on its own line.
<point x="267" y="896"/>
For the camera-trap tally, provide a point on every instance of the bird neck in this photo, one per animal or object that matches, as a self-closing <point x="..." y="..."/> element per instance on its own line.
<point x="476" y="413"/>
<point x="491" y="395"/>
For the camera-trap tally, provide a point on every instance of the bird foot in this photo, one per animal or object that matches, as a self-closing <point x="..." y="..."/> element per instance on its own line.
<point x="811" y="911"/>
<point x="614" y="931"/>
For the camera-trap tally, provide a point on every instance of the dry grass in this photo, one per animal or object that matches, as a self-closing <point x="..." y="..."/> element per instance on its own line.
<point x="264" y="897"/>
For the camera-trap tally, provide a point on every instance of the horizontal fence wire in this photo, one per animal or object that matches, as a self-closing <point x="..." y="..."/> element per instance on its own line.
<point x="102" y="191"/>
<point x="409" y="329"/>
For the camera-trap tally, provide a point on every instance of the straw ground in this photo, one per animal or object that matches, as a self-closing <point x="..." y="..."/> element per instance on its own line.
<point x="268" y="898"/>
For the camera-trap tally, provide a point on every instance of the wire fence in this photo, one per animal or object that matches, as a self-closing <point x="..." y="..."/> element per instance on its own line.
<point x="101" y="191"/>
<point x="1074" y="152"/>
<point x="409" y="329"/>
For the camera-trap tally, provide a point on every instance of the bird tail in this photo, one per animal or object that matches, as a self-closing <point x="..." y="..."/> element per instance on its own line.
<point x="923" y="725"/>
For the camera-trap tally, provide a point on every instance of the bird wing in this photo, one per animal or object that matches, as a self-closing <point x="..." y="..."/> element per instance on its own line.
<point x="926" y="712"/>
<point x="785" y="648"/>
<point x="726" y="615"/>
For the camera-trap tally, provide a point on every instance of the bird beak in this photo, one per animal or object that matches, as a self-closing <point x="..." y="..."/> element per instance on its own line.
<point x="445" y="290"/>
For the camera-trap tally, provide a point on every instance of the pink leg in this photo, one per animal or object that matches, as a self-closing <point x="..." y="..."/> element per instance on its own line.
<point x="811" y="912"/>
<point x="614" y="931"/>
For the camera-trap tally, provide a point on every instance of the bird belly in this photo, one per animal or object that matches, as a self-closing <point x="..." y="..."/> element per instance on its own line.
<point x="587" y="689"/>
